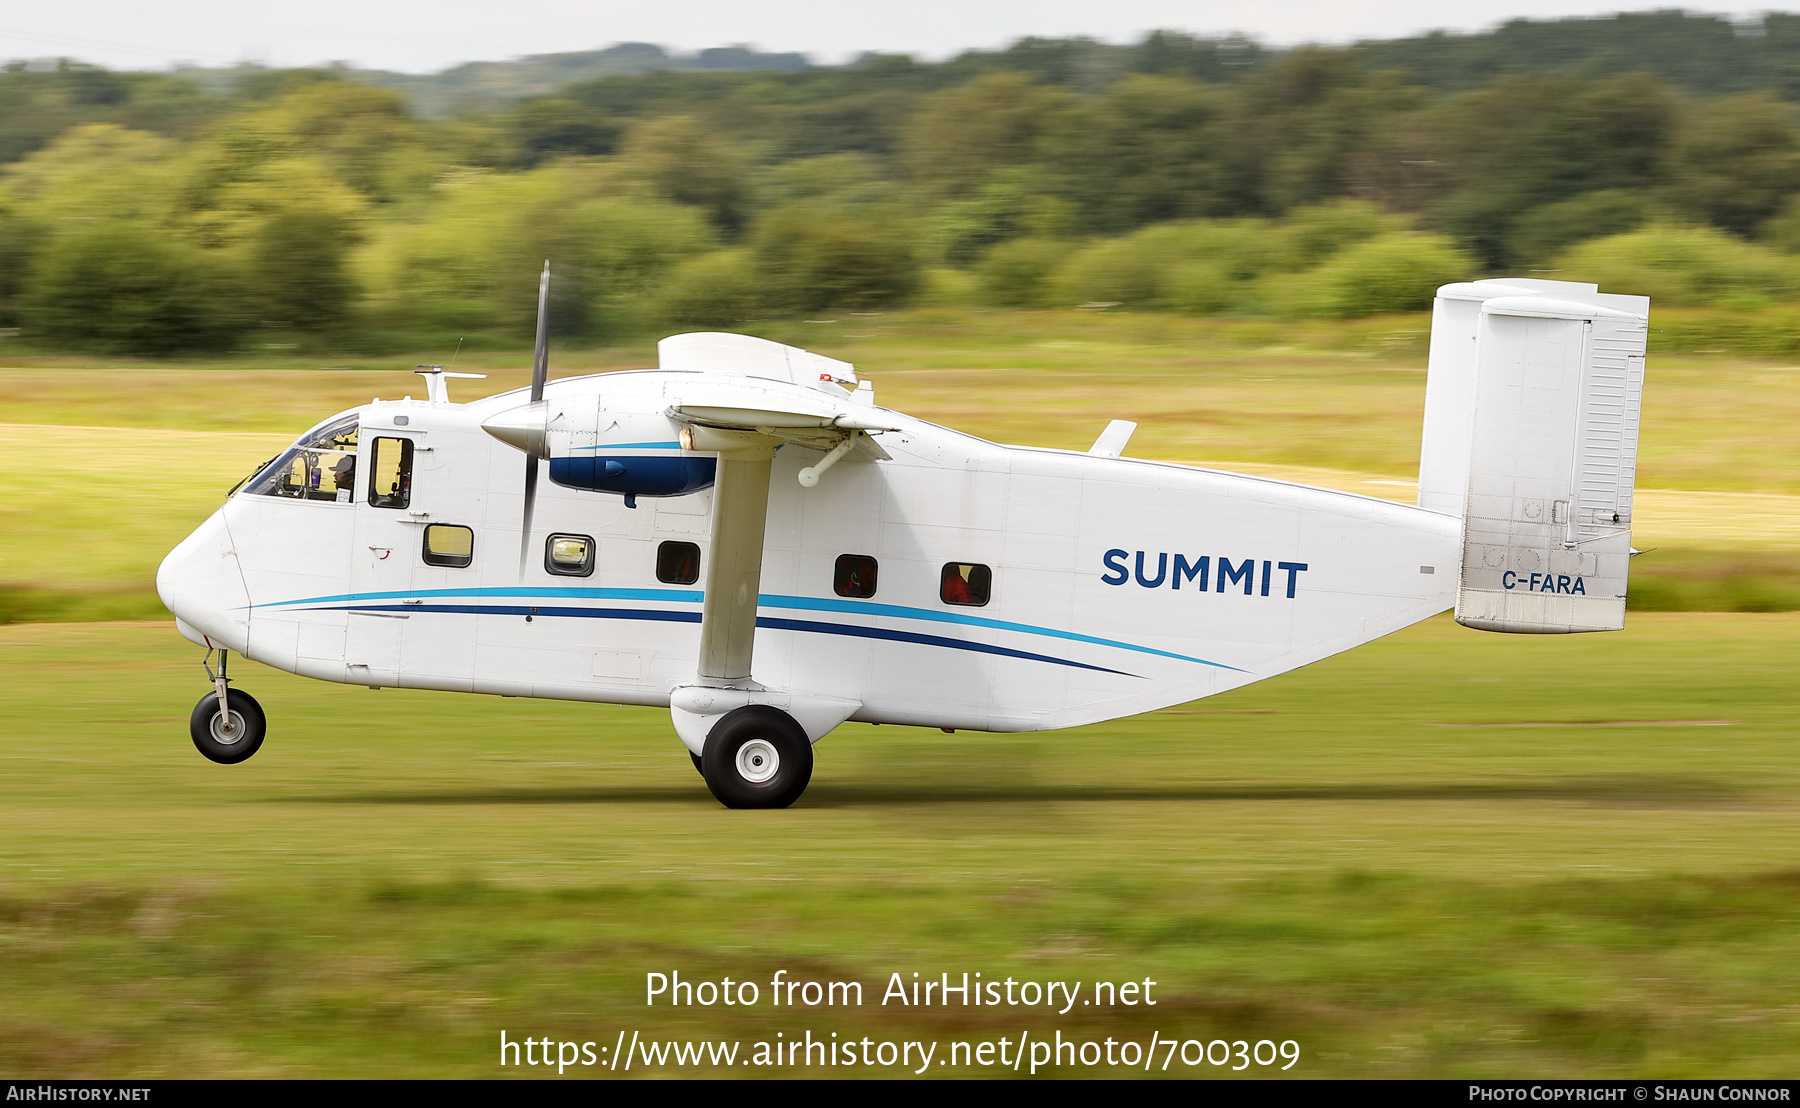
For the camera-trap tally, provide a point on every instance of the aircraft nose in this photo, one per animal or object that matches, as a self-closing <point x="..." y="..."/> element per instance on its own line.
<point x="201" y="582"/>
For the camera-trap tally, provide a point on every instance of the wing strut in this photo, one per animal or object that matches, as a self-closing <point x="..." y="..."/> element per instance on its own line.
<point x="734" y="571"/>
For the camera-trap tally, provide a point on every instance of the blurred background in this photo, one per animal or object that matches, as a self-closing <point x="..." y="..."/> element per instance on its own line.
<point x="195" y="209"/>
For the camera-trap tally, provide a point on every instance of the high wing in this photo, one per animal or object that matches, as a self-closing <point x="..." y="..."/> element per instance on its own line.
<point x="745" y="421"/>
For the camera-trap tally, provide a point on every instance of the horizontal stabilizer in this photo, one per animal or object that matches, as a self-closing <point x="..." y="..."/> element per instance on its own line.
<point x="1111" y="442"/>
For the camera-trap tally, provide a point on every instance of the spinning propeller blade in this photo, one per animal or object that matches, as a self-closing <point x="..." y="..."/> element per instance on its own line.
<point x="540" y="370"/>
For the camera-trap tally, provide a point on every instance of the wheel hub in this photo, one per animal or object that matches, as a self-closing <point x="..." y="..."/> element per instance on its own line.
<point x="757" y="761"/>
<point x="227" y="731"/>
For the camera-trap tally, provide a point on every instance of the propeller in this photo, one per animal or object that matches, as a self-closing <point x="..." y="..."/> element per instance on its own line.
<point x="540" y="370"/>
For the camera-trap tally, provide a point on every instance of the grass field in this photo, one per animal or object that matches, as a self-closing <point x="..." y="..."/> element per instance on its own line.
<point x="1444" y="854"/>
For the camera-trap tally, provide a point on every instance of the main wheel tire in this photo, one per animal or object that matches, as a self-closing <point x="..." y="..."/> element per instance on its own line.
<point x="699" y="767"/>
<point x="228" y="745"/>
<point x="757" y="757"/>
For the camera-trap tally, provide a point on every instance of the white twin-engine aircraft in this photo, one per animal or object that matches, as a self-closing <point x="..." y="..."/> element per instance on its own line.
<point x="743" y="536"/>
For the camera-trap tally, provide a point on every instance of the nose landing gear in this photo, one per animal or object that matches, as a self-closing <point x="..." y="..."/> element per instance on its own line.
<point x="228" y="725"/>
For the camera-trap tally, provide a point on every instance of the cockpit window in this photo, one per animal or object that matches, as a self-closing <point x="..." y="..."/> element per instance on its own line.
<point x="321" y="465"/>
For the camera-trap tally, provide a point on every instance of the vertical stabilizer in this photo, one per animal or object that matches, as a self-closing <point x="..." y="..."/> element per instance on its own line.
<point x="1551" y="458"/>
<point x="1450" y="391"/>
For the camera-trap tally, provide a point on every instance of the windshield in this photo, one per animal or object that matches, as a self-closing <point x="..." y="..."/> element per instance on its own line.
<point x="321" y="465"/>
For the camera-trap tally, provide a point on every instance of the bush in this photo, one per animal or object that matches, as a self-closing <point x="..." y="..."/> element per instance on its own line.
<point x="1315" y="233"/>
<point x="811" y="261"/>
<point x="1545" y="231"/>
<point x="713" y="290"/>
<point x="1016" y="274"/>
<point x="132" y="289"/>
<point x="1115" y="272"/>
<point x="1393" y="273"/>
<point x="1685" y="266"/>
<point x="943" y="287"/>
<point x="1207" y="266"/>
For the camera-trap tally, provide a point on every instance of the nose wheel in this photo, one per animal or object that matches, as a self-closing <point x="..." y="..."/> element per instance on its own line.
<point x="228" y="737"/>
<point x="227" y="725"/>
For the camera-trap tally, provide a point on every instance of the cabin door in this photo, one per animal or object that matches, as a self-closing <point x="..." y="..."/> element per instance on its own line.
<point x="386" y="548"/>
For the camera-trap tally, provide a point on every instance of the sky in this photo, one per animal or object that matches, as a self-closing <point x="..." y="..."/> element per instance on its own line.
<point x="423" y="36"/>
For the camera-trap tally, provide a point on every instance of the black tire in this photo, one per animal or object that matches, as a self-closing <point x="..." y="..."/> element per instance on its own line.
<point x="698" y="767"/>
<point x="740" y="749"/>
<point x="211" y="740"/>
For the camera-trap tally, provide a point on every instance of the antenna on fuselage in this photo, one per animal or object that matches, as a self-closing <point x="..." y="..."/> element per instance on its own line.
<point x="540" y="371"/>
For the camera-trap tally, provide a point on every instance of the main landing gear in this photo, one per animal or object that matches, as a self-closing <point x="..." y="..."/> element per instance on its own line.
<point x="228" y="724"/>
<point x="756" y="757"/>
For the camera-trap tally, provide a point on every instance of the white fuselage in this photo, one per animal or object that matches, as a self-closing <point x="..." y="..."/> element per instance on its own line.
<point x="1118" y="585"/>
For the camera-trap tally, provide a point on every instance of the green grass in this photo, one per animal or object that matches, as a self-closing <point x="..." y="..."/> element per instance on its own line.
<point x="1444" y="854"/>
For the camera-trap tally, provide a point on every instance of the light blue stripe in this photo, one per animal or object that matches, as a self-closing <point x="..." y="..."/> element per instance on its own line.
<point x="680" y="596"/>
<point x="764" y="600"/>
<point x="633" y="446"/>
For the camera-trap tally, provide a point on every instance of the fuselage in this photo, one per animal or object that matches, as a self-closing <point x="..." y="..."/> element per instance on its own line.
<point x="1112" y="586"/>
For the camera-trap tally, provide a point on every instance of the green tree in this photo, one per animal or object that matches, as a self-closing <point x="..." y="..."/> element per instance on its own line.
<point x="18" y="242"/>
<point x="684" y="163"/>
<point x="1543" y="232"/>
<point x="719" y="289"/>
<point x="1149" y="150"/>
<point x="1015" y="201"/>
<point x="812" y="260"/>
<point x="131" y="289"/>
<point x="299" y="269"/>
<point x="960" y="136"/>
<point x="1737" y="160"/>
<point x="1526" y="142"/>
<point x="474" y="256"/>
<point x="548" y="127"/>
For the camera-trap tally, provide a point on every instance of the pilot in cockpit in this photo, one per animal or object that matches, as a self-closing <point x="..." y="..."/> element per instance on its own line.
<point x="343" y="473"/>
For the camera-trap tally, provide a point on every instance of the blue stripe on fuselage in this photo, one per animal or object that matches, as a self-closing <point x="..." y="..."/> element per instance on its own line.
<point x="773" y="623"/>
<point x="765" y="600"/>
<point x="632" y="446"/>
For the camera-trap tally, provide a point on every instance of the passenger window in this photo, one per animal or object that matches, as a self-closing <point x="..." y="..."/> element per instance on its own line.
<point x="965" y="583"/>
<point x="448" y="544"/>
<point x="321" y="465"/>
<point x="569" y="555"/>
<point x="855" y="575"/>
<point x="678" y="563"/>
<point x="390" y="473"/>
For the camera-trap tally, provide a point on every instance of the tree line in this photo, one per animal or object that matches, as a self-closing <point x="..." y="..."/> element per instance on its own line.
<point x="145" y="213"/>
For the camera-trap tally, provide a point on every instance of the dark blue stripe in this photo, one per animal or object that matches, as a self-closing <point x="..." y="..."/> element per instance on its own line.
<point x="923" y="640"/>
<point x="525" y="610"/>
<point x="771" y="622"/>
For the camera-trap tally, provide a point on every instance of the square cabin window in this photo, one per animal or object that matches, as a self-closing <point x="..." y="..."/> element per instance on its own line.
<point x="449" y="544"/>
<point x="854" y="576"/>
<point x="569" y="555"/>
<point x="678" y="563"/>
<point x="965" y="583"/>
